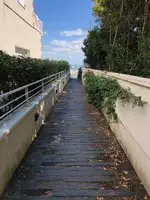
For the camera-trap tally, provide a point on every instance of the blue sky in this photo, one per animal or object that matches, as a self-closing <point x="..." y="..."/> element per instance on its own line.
<point x="65" y="24"/>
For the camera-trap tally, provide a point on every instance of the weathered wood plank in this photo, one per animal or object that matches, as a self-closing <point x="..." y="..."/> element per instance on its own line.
<point x="66" y="160"/>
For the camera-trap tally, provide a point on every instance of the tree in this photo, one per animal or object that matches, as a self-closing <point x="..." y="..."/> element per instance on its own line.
<point x="124" y="33"/>
<point x="93" y="49"/>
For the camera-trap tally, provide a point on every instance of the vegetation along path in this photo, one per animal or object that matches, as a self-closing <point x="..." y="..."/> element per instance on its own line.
<point x="74" y="158"/>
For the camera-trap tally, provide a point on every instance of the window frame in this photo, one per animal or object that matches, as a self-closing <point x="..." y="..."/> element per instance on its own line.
<point x="22" y="3"/>
<point x="19" y="53"/>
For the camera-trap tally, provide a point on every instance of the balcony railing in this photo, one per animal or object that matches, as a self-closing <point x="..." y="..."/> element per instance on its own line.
<point x="12" y="100"/>
<point x="37" y="23"/>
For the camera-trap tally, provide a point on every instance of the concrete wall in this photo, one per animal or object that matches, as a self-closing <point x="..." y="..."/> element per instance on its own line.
<point x="133" y="130"/>
<point x="17" y="28"/>
<point x="18" y="131"/>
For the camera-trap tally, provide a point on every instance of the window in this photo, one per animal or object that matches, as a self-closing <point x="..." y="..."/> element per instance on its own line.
<point x="22" y="2"/>
<point x="22" y="52"/>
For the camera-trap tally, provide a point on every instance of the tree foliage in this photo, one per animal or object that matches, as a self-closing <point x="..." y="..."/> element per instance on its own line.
<point x="93" y="49"/>
<point x="121" y="41"/>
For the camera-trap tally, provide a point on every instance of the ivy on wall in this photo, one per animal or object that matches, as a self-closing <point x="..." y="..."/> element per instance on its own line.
<point x="103" y="92"/>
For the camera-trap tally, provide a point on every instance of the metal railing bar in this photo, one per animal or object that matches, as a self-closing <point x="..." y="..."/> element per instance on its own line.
<point x="25" y="101"/>
<point x="50" y="84"/>
<point x="49" y="81"/>
<point x="34" y="89"/>
<point x="12" y="101"/>
<point x="35" y="94"/>
<point x="43" y="84"/>
<point x="28" y="85"/>
<point x="13" y="109"/>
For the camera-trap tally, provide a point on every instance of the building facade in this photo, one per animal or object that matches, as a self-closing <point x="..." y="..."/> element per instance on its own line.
<point x="20" y="28"/>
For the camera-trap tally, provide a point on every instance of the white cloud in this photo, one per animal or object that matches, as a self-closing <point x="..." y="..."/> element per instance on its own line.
<point x="77" y="32"/>
<point x="74" y="58"/>
<point x="64" y="49"/>
<point x="59" y="43"/>
<point x="50" y="52"/>
<point x="59" y="49"/>
<point x="65" y="46"/>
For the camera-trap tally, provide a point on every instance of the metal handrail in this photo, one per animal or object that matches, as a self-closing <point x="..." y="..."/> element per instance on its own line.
<point x="12" y="100"/>
<point x="28" y="85"/>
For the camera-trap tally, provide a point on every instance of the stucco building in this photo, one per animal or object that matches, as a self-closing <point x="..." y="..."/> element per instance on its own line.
<point x="20" y="28"/>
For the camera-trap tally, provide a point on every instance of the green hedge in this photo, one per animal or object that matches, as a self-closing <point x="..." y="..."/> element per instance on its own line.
<point x="18" y="71"/>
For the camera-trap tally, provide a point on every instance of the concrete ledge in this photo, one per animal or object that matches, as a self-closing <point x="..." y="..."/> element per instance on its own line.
<point x="145" y="82"/>
<point x="133" y="129"/>
<point x="18" y="130"/>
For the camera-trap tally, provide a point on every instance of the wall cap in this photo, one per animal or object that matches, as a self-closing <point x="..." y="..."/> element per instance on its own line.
<point x="144" y="82"/>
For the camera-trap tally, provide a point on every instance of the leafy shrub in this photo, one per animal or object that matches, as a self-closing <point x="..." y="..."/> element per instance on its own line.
<point x="80" y="73"/>
<point x="103" y="93"/>
<point x="18" y="71"/>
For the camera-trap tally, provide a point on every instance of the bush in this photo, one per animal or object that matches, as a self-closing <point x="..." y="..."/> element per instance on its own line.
<point x="103" y="93"/>
<point x="80" y="73"/>
<point x="18" y="71"/>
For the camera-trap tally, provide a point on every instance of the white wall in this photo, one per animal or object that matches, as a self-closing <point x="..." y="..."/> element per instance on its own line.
<point x="16" y="28"/>
<point x="1" y="21"/>
<point x="25" y="12"/>
<point x="133" y="130"/>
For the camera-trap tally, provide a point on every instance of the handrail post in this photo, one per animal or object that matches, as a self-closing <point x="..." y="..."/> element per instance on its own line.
<point x="60" y="75"/>
<point x="43" y="87"/>
<point x="27" y="94"/>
